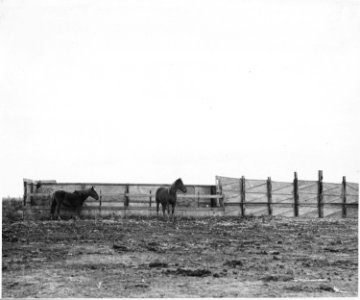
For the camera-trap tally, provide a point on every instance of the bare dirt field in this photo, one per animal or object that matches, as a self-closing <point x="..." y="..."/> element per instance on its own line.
<point x="151" y="257"/>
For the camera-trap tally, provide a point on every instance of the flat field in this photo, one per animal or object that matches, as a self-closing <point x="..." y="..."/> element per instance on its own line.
<point x="152" y="257"/>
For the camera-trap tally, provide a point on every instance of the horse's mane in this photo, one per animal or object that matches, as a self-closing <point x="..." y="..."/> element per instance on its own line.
<point x="172" y="187"/>
<point x="81" y="192"/>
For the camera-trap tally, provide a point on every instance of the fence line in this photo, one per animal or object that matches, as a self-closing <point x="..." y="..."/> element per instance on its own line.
<point x="230" y="196"/>
<point x="128" y="198"/>
<point x="200" y="196"/>
<point x="239" y="193"/>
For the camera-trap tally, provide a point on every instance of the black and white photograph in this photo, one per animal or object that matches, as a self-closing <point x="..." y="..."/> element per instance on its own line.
<point x="179" y="148"/>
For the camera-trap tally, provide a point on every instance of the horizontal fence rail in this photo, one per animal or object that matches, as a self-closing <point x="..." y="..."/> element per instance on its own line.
<point x="197" y="196"/>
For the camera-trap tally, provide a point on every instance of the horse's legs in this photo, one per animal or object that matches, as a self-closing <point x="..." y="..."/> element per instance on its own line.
<point x="52" y="212"/>
<point x="168" y="211"/>
<point x="52" y="209"/>
<point x="157" y="208"/>
<point x="172" y="210"/>
<point x="163" y="206"/>
<point x="58" y="204"/>
<point x="77" y="217"/>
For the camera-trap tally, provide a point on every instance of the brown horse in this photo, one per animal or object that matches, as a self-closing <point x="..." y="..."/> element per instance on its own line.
<point x="73" y="200"/>
<point x="167" y="197"/>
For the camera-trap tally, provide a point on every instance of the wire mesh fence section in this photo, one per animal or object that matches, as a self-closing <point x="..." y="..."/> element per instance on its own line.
<point x="332" y="189"/>
<point x="308" y="187"/>
<point x="280" y="188"/>
<point x="332" y="199"/>
<point x="230" y="189"/>
<point x="352" y="188"/>
<point x="255" y="194"/>
<point x="306" y="199"/>
<point x="297" y="198"/>
<point x="255" y="186"/>
<point x="352" y="199"/>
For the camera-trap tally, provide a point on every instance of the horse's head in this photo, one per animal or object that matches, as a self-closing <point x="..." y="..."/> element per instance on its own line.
<point x="179" y="184"/>
<point x="93" y="193"/>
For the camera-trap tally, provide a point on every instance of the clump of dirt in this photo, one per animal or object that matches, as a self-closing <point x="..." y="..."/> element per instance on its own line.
<point x="137" y="285"/>
<point x="155" y="247"/>
<point x="327" y="287"/>
<point x="312" y="288"/>
<point x="158" y="264"/>
<point x="233" y="263"/>
<point x="189" y="272"/>
<point x="299" y="288"/>
<point x="278" y="278"/>
<point x="118" y="247"/>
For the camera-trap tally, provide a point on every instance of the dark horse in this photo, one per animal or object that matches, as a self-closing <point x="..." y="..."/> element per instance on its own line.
<point x="167" y="196"/>
<point x="73" y="200"/>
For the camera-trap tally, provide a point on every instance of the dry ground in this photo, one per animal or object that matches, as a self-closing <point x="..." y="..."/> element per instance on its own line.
<point x="150" y="257"/>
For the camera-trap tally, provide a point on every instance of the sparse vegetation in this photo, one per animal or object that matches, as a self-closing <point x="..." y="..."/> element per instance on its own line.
<point x="12" y="209"/>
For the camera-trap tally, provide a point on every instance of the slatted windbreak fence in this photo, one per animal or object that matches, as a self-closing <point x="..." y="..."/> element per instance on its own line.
<point x="246" y="197"/>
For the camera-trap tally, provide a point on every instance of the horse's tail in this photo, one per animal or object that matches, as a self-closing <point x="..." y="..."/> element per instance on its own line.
<point x="53" y="204"/>
<point x="159" y="195"/>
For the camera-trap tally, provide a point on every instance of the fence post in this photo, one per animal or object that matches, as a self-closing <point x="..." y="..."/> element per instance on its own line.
<point x="100" y="203"/>
<point x="320" y="195"/>
<point x="242" y="195"/>
<point x="296" y="195"/>
<point x="220" y="193"/>
<point x="24" y="201"/>
<point x="25" y="193"/>
<point x="213" y="200"/>
<point x="343" y="192"/>
<point x="150" y="200"/>
<point x="31" y="191"/>
<point x="126" y="198"/>
<point x="269" y="195"/>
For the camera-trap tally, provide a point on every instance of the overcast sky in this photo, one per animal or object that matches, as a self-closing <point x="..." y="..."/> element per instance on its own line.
<point x="149" y="91"/>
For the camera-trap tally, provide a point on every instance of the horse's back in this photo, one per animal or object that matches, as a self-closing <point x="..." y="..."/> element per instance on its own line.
<point x="66" y="198"/>
<point x="60" y="194"/>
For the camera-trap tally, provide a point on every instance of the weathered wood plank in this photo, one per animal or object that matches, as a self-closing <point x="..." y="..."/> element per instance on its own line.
<point x="269" y="195"/>
<point x="320" y="195"/>
<point x="296" y="195"/>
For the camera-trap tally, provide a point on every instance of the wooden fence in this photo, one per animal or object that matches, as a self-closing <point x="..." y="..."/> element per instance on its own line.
<point x="120" y="200"/>
<point x="229" y="197"/>
<point x="298" y="198"/>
